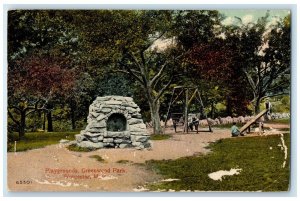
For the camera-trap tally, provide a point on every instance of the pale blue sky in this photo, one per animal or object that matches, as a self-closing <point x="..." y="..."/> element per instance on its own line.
<point x="253" y="14"/>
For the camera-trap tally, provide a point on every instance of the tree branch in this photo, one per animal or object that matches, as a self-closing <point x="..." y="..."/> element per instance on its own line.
<point x="158" y="75"/>
<point x="154" y="84"/>
<point x="250" y="80"/>
<point x="142" y="69"/>
<point x="277" y="94"/>
<point x="143" y="57"/>
<point x="273" y="76"/>
<point x="36" y="109"/>
<point x="12" y="117"/>
<point x="160" y="93"/>
<point x="136" y="61"/>
<point x="30" y="112"/>
<point x="129" y="71"/>
<point x="14" y="107"/>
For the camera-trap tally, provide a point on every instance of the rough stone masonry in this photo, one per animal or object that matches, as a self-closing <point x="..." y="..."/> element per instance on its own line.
<point x="114" y="122"/>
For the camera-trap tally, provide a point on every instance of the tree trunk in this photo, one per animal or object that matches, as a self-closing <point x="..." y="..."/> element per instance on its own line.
<point x="154" y="109"/>
<point x="35" y="116"/>
<point x="50" y="124"/>
<point x="73" y="120"/>
<point x="186" y="112"/>
<point x="22" y="124"/>
<point x="39" y="119"/>
<point x="212" y="113"/>
<point x="228" y="106"/>
<point x="257" y="104"/>
<point x="44" y="120"/>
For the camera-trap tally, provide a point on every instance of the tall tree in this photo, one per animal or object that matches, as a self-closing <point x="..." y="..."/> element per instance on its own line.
<point x="32" y="83"/>
<point x="129" y="39"/>
<point x="81" y="96"/>
<point x="36" y="37"/>
<point x="264" y="54"/>
<point x="214" y="70"/>
<point x="157" y="68"/>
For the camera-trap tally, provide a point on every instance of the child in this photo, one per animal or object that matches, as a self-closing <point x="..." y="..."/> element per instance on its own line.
<point x="235" y="131"/>
<point x="196" y="123"/>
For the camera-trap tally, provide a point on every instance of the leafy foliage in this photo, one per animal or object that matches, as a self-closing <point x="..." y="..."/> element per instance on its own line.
<point x="264" y="63"/>
<point x="66" y="58"/>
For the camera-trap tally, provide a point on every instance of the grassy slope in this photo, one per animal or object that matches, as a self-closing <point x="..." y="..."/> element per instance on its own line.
<point x="39" y="139"/>
<point x="261" y="167"/>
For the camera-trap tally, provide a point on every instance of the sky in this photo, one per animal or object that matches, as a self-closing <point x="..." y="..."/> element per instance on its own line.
<point x="247" y="16"/>
<point x="252" y="15"/>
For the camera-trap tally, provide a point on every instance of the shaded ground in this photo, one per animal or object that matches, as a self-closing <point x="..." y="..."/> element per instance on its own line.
<point x="46" y="169"/>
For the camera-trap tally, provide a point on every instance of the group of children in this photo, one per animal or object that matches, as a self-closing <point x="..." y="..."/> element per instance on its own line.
<point x="193" y="124"/>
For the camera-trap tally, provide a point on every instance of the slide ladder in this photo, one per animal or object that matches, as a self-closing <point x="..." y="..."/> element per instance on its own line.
<point x="252" y="121"/>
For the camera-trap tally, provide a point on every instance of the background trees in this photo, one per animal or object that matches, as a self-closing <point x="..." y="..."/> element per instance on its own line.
<point x="260" y="55"/>
<point x="63" y="59"/>
<point x="33" y="83"/>
<point x="41" y="65"/>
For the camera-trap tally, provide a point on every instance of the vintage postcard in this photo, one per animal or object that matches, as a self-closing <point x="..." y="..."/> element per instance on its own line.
<point x="148" y="100"/>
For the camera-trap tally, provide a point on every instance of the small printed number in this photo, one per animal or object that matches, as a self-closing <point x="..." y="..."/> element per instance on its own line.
<point x="24" y="182"/>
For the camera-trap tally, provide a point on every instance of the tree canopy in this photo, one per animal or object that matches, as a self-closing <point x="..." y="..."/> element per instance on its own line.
<point x="72" y="56"/>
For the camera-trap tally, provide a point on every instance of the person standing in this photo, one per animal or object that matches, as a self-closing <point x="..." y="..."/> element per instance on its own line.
<point x="268" y="106"/>
<point x="174" y="124"/>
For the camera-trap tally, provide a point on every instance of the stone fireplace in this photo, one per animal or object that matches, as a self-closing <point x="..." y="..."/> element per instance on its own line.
<point x="114" y="122"/>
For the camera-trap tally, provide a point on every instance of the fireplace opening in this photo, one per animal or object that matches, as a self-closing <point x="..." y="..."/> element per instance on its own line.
<point x="116" y="122"/>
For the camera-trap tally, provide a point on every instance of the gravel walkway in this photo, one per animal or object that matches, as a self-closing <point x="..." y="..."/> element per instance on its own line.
<point x="55" y="168"/>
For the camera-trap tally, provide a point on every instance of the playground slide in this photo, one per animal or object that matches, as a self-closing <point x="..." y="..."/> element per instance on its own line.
<point x="249" y="123"/>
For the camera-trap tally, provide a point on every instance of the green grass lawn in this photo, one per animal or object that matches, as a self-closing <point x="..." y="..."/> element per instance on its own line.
<point x="36" y="140"/>
<point x="261" y="166"/>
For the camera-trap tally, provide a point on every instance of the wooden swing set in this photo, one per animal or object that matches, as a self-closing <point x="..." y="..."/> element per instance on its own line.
<point x="187" y="95"/>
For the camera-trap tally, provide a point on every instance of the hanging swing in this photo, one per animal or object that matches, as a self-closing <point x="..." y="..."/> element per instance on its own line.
<point x="185" y="95"/>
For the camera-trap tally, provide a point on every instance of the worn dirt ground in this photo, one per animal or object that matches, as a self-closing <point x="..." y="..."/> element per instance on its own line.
<point x="37" y="170"/>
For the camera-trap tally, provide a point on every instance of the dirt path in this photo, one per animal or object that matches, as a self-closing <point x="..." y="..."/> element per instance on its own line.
<point x="54" y="168"/>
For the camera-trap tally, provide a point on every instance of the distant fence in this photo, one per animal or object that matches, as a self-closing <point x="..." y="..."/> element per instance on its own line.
<point x="226" y="120"/>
